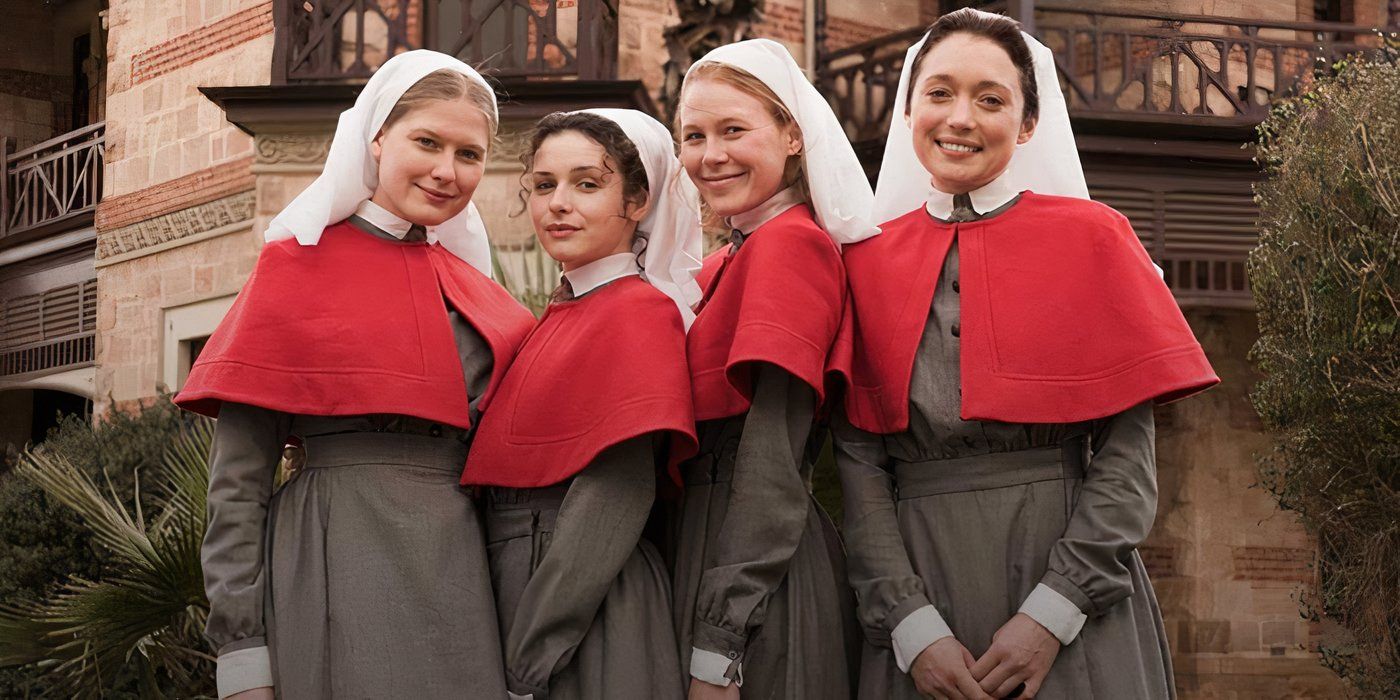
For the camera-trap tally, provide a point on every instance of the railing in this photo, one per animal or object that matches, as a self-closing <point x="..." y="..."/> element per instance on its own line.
<point x="49" y="332"/>
<point x="1130" y="66"/>
<point x="346" y="40"/>
<point x="55" y="182"/>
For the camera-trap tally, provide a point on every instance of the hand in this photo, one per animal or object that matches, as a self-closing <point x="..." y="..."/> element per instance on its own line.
<point x="1022" y="652"/>
<point x="700" y="690"/>
<point x="263" y="693"/>
<point x="940" y="671"/>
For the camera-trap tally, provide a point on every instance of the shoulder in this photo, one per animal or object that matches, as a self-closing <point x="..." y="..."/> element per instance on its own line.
<point x="793" y="233"/>
<point x="634" y="305"/>
<point x="1082" y="211"/>
<point x="891" y="233"/>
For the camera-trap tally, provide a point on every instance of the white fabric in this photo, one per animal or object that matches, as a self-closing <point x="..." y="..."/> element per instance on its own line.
<point x="242" y="670"/>
<point x="840" y="194"/>
<point x="586" y="278"/>
<point x="749" y="221"/>
<point x="351" y="173"/>
<point x="1046" y="164"/>
<point x="383" y="219"/>
<point x="675" y="242"/>
<point x="915" y="633"/>
<point x="1054" y="612"/>
<point x="711" y="666"/>
<point x="984" y="198"/>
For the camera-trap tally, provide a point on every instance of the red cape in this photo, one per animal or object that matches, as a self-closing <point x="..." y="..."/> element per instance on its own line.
<point x="778" y="300"/>
<point x="595" y="372"/>
<point x="354" y="325"/>
<point x="1064" y="319"/>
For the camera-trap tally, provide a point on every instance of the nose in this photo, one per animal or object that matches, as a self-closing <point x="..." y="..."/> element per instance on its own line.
<point x="961" y="116"/>
<point x="444" y="169"/>
<point x="715" y="153"/>
<point x="559" y="201"/>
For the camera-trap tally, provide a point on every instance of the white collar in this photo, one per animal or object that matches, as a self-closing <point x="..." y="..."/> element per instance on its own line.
<point x="586" y="278"/>
<point x="386" y="220"/>
<point x="749" y="221"/>
<point x="984" y="199"/>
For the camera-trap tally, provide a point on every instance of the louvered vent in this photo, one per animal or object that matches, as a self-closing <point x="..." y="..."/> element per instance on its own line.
<point x="49" y="331"/>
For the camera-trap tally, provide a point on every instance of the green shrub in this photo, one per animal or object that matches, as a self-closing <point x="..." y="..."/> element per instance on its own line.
<point x="1326" y="278"/>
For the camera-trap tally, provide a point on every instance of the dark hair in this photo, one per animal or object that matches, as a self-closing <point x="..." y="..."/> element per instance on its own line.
<point x="1003" y="31"/>
<point x="619" y="149"/>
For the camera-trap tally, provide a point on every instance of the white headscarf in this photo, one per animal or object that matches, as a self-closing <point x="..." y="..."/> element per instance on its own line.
<point x="841" y="197"/>
<point x="674" y="238"/>
<point x="351" y="173"/>
<point x="1047" y="164"/>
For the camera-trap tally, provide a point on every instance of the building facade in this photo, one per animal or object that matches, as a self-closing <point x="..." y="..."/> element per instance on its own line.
<point x="145" y="145"/>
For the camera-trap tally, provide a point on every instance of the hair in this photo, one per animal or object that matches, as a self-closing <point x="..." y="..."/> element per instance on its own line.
<point x="620" y="151"/>
<point x="448" y="85"/>
<point x="1003" y="31"/>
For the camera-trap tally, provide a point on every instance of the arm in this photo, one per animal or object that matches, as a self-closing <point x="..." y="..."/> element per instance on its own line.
<point x="893" y="602"/>
<point x="242" y="467"/>
<point x="1088" y="570"/>
<point x="611" y="497"/>
<point x="763" y="524"/>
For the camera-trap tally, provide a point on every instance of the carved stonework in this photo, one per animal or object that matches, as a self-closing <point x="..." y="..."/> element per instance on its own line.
<point x="292" y="149"/>
<point x="185" y="223"/>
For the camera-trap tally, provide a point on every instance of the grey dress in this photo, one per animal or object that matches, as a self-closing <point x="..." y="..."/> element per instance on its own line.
<point x="584" y="601"/>
<point x="759" y="568"/>
<point x="970" y="516"/>
<point x="364" y="574"/>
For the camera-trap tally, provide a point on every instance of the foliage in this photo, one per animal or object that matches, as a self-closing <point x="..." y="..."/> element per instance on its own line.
<point x="1325" y="276"/>
<point x="527" y="272"/>
<point x="126" y="621"/>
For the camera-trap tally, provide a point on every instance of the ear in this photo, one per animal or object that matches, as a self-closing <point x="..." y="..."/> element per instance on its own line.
<point x="375" y="148"/>
<point x="1027" y="131"/>
<point x="637" y="212"/>
<point x="794" y="146"/>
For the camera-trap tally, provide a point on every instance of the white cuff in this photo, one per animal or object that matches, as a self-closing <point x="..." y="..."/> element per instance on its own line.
<point x="513" y="696"/>
<point x="1054" y="612"/>
<point x="242" y="670"/>
<point x="915" y="633"/>
<point x="710" y="667"/>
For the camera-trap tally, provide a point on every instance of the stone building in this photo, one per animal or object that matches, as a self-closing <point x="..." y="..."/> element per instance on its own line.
<point x="144" y="145"/>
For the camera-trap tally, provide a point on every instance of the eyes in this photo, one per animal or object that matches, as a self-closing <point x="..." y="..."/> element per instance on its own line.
<point x="941" y="94"/>
<point x="586" y="184"/>
<point x="731" y="130"/>
<point x="470" y="155"/>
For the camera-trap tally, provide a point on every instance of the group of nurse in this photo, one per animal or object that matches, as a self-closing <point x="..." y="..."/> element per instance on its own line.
<point x="614" y="501"/>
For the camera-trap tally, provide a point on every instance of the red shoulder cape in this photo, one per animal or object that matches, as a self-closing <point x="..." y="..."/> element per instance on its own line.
<point x="354" y="325"/>
<point x="595" y="372"/>
<point x="1064" y="319"/>
<point x="778" y="300"/>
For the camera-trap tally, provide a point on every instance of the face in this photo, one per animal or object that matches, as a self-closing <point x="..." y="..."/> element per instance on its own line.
<point x="576" y="201"/>
<point x="965" y="113"/>
<point x="431" y="160"/>
<point x="732" y="148"/>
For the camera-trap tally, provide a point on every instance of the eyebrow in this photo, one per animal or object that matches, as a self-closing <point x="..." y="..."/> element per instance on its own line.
<point x="982" y="85"/>
<point x="581" y="168"/>
<point x="435" y="135"/>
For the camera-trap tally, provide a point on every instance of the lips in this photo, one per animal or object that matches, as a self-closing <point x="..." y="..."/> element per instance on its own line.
<point x="958" y="148"/>
<point x="435" y="197"/>
<point x="721" y="180"/>
<point x="558" y="231"/>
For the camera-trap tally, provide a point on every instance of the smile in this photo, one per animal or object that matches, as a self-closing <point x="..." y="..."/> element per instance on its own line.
<point x="434" y="196"/>
<point x="557" y="231"/>
<point x="957" y="147"/>
<point x="721" y="180"/>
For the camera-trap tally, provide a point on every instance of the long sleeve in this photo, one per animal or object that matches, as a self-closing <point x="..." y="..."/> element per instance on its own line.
<point x="1113" y="515"/>
<point x="892" y="601"/>
<point x="242" y="468"/>
<point x="763" y="524"/>
<point x="602" y="515"/>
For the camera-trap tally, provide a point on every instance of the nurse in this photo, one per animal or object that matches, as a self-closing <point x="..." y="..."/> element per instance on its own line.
<point x="996" y="445"/>
<point x="760" y="594"/>
<point x="595" y="409"/>
<point x="368" y="335"/>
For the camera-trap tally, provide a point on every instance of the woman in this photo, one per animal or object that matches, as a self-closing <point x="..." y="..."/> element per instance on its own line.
<point x="996" y="448"/>
<point x="596" y="405"/>
<point x="760" y="594"/>
<point x="369" y="333"/>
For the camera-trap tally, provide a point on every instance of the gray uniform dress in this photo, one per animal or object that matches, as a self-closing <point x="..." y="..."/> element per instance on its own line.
<point x="759" y="568"/>
<point x="970" y="516"/>
<point x="365" y="574"/>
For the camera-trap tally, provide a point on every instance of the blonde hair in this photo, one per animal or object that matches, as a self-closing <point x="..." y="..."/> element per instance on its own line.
<point x="448" y="85"/>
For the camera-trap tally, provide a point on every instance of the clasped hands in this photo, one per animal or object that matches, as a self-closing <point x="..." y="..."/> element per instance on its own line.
<point x="1022" y="652"/>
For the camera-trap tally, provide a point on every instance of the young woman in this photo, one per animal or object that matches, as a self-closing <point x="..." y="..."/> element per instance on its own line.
<point x="369" y="333"/>
<point x="760" y="594"/>
<point x="596" y="406"/>
<point x="996" y="451"/>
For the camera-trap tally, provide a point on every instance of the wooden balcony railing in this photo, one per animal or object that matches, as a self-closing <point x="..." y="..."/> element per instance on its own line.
<point x="48" y="332"/>
<point x="55" y="183"/>
<point x="346" y="40"/>
<point x="1151" y="67"/>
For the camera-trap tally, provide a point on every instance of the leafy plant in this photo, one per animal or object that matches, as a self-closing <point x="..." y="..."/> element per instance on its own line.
<point x="1326" y="277"/>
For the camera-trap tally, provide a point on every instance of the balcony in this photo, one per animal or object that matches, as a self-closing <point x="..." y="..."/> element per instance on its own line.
<point x="52" y="186"/>
<point x="330" y="41"/>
